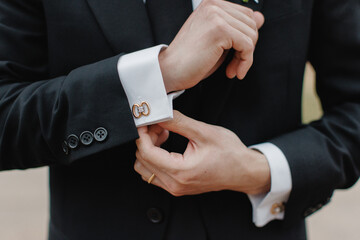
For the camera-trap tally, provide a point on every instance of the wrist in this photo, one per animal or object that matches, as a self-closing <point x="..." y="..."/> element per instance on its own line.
<point x="261" y="170"/>
<point x="167" y="71"/>
<point x="256" y="175"/>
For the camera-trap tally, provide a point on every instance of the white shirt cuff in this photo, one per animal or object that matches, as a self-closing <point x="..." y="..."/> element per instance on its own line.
<point x="196" y="3"/>
<point x="141" y="78"/>
<point x="271" y="206"/>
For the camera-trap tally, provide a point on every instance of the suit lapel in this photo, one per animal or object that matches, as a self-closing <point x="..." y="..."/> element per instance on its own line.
<point x="124" y="23"/>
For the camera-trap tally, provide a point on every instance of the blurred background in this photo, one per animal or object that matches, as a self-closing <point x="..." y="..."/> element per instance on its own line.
<point x="24" y="197"/>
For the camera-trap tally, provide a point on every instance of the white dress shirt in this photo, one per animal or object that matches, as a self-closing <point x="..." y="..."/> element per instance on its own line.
<point x="141" y="78"/>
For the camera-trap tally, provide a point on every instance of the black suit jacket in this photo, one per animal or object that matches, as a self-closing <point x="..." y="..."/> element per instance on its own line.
<point x="58" y="77"/>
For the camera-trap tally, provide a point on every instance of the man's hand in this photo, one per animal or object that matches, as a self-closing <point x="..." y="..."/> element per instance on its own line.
<point x="215" y="159"/>
<point x="202" y="43"/>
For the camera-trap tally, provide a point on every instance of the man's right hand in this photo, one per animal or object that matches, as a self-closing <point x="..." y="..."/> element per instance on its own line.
<point x="201" y="45"/>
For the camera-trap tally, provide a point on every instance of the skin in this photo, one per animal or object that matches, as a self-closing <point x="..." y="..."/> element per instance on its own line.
<point x="202" y="43"/>
<point x="215" y="158"/>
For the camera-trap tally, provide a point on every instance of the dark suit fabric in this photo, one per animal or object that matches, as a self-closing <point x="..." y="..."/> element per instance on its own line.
<point x="58" y="77"/>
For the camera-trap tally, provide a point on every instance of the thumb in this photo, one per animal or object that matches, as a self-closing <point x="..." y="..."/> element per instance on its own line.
<point x="190" y="128"/>
<point x="259" y="19"/>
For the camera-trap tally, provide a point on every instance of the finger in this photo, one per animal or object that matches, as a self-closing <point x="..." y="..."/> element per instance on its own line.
<point x="153" y="154"/>
<point x="243" y="14"/>
<point x="190" y="128"/>
<point x="162" y="179"/>
<point x="155" y="129"/>
<point x="146" y="174"/>
<point x="239" y="67"/>
<point x="218" y="64"/>
<point x="244" y="66"/>
<point x="163" y="174"/>
<point x="231" y="68"/>
<point x="242" y="60"/>
<point x="253" y="19"/>
<point x="162" y="138"/>
<point x="241" y="26"/>
<point x="158" y="134"/>
<point x="259" y="19"/>
<point x="142" y="129"/>
<point x="243" y="57"/>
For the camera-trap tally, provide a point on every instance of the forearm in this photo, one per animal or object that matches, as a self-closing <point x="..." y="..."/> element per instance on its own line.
<point x="325" y="155"/>
<point x="322" y="157"/>
<point x="37" y="117"/>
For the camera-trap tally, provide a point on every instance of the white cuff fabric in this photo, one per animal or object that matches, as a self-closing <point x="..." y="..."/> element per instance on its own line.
<point x="196" y="3"/>
<point x="141" y="78"/>
<point x="271" y="206"/>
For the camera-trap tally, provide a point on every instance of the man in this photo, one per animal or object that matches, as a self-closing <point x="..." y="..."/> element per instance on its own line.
<point x="68" y="88"/>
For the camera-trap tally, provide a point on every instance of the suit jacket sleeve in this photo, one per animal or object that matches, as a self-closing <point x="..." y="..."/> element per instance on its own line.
<point x="36" y="113"/>
<point x="325" y="155"/>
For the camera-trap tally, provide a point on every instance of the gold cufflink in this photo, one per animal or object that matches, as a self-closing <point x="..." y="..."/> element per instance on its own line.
<point x="139" y="110"/>
<point x="277" y="208"/>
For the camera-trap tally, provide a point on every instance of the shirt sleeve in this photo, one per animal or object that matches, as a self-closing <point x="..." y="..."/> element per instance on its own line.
<point x="141" y="78"/>
<point x="271" y="206"/>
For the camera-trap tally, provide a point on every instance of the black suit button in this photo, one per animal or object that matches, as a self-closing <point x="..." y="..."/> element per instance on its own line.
<point x="100" y="134"/>
<point x="65" y="147"/>
<point x="86" y="138"/>
<point x="154" y="215"/>
<point x="73" y="141"/>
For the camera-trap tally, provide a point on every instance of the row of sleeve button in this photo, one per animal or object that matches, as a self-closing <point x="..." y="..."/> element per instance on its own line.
<point x="86" y="138"/>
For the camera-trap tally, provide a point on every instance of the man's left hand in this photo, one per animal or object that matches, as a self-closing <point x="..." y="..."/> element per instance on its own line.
<point x="215" y="159"/>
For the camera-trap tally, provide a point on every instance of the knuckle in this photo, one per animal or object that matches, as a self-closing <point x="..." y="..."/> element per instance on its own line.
<point x="137" y="167"/>
<point x="209" y="2"/>
<point x="253" y="36"/>
<point x="252" y="24"/>
<point x="201" y="133"/>
<point x="222" y="33"/>
<point x="216" y="22"/>
<point x="140" y="155"/>
<point x="207" y="135"/>
<point x="215" y="131"/>
<point x="137" y="154"/>
<point x="212" y="10"/>
<point x="249" y="45"/>
<point x="249" y="12"/>
<point x="229" y="134"/>
<point x="221" y="28"/>
<point x="177" y="120"/>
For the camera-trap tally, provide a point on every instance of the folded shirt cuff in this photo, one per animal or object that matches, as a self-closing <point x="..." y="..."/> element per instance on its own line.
<point x="141" y="78"/>
<point x="271" y="206"/>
